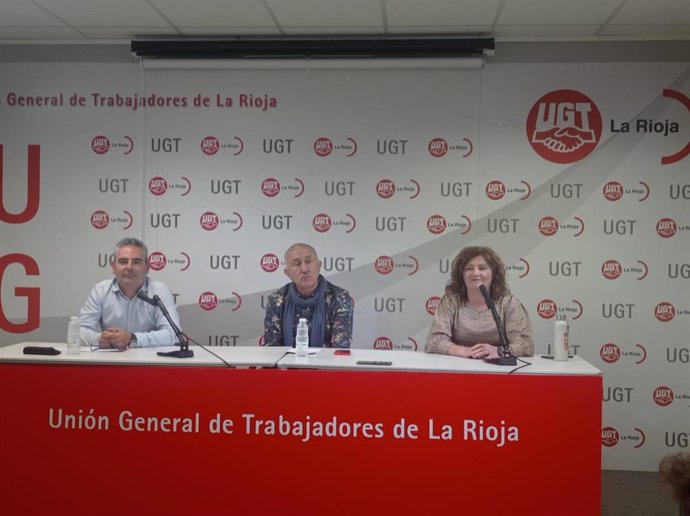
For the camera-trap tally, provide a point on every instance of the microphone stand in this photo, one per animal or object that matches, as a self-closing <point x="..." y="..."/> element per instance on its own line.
<point x="505" y="356"/>
<point x="184" y="351"/>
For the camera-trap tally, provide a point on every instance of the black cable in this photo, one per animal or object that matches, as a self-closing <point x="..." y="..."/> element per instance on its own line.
<point x="274" y="366"/>
<point x="520" y="367"/>
<point x="206" y="349"/>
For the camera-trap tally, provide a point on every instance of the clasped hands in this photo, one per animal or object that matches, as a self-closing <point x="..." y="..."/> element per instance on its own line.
<point x="115" y="338"/>
<point x="483" y="350"/>
<point x="478" y="351"/>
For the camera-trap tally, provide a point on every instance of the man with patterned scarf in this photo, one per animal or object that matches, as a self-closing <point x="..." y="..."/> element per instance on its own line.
<point x="327" y="308"/>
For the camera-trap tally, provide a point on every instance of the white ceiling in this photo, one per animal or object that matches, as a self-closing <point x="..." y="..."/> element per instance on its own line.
<point x="506" y="20"/>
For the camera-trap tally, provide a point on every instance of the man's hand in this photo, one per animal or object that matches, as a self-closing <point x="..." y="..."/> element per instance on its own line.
<point x="115" y="338"/>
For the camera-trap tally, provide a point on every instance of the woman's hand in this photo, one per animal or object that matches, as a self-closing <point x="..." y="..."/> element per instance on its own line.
<point x="483" y="350"/>
<point x="459" y="351"/>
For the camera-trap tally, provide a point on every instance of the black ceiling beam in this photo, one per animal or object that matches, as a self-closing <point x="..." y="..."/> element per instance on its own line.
<point x="303" y="48"/>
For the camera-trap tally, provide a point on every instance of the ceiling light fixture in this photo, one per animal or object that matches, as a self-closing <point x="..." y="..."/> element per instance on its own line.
<point x="290" y="48"/>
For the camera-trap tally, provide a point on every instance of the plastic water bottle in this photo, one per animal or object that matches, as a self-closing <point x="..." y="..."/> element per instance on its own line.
<point x="73" y="338"/>
<point x="302" y="339"/>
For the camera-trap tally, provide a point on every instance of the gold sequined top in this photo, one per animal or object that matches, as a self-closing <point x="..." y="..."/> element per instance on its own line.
<point x="459" y="323"/>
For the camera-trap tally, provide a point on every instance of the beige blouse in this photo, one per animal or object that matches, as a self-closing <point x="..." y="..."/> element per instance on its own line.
<point x="457" y="323"/>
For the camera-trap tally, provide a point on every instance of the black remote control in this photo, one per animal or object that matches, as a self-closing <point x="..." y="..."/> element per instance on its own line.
<point x="41" y="350"/>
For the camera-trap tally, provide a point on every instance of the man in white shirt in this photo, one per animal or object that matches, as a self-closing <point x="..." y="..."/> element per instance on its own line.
<point x="113" y="317"/>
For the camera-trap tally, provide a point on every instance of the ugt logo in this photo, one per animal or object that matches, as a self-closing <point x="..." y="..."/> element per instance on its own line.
<point x="564" y="126"/>
<point x="33" y="188"/>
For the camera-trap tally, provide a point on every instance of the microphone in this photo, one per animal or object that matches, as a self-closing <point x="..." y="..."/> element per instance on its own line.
<point x="482" y="289"/>
<point x="183" y="342"/>
<point x="152" y="301"/>
<point x="505" y="355"/>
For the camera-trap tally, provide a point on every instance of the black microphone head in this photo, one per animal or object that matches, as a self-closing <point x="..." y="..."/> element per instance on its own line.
<point x="485" y="294"/>
<point x="142" y="295"/>
<point x="484" y="291"/>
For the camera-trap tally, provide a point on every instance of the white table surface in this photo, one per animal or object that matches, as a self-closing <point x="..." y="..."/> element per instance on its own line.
<point x="324" y="358"/>
<point x="249" y="356"/>
<point x="132" y="356"/>
<point x="240" y="356"/>
<point x="419" y="361"/>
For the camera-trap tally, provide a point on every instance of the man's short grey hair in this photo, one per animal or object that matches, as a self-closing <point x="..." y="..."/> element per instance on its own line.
<point x="132" y="242"/>
<point x="300" y="244"/>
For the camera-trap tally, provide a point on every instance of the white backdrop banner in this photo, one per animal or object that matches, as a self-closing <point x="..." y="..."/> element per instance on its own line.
<point x="577" y="175"/>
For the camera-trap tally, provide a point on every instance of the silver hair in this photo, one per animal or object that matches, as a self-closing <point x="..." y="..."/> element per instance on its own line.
<point x="133" y="242"/>
<point x="300" y="244"/>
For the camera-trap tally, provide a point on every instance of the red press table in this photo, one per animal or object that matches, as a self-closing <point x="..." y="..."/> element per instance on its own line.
<point x="259" y="431"/>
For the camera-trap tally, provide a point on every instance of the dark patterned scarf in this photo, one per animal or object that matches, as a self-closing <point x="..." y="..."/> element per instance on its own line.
<point x="317" y="325"/>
